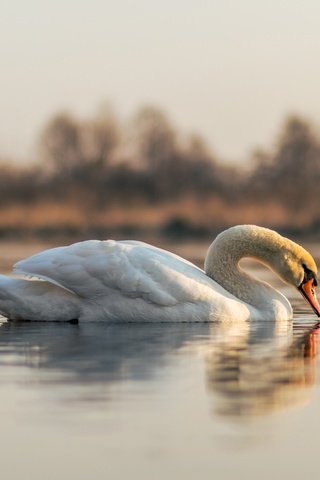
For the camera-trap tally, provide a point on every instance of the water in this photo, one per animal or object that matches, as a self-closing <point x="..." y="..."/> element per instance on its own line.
<point x="180" y="401"/>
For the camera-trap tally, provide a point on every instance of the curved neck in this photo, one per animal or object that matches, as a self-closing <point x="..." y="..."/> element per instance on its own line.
<point x="222" y="263"/>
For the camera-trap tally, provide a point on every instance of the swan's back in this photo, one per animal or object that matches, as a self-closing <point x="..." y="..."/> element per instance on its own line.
<point x="112" y="274"/>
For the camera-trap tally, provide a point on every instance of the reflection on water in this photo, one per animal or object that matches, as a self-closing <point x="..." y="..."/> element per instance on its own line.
<point x="261" y="369"/>
<point x="250" y="369"/>
<point x="88" y="354"/>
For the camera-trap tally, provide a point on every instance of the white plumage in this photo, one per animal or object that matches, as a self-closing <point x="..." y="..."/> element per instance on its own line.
<point x="133" y="281"/>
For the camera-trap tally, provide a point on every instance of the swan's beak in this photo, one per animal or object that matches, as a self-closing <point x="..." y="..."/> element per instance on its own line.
<point x="308" y="291"/>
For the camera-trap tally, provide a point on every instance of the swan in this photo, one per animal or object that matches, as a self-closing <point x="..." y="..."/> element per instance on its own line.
<point x="132" y="281"/>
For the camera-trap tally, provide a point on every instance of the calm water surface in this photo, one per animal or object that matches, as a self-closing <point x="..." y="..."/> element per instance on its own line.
<point x="179" y="401"/>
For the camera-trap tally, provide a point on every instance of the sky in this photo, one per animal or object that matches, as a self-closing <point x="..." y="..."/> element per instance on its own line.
<point x="228" y="70"/>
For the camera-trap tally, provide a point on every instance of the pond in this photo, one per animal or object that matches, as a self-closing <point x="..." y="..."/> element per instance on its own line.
<point x="147" y="401"/>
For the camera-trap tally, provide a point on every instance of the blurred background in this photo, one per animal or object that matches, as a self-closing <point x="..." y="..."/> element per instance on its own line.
<point x="158" y="119"/>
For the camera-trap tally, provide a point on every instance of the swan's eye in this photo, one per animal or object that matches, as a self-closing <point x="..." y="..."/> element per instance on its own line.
<point x="309" y="275"/>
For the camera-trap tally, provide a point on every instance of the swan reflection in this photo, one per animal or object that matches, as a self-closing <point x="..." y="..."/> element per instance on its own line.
<point x="250" y="369"/>
<point x="262" y="369"/>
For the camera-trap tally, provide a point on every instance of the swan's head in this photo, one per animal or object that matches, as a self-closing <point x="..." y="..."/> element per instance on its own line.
<point x="290" y="261"/>
<point x="298" y="268"/>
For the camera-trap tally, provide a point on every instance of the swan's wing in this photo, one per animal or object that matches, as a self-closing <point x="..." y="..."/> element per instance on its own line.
<point x="95" y="268"/>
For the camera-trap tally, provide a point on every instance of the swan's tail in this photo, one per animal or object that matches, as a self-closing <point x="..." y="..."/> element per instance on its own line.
<point x="36" y="300"/>
<point x="6" y="298"/>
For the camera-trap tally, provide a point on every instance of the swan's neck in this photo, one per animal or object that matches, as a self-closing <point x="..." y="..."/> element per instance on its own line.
<point x="222" y="265"/>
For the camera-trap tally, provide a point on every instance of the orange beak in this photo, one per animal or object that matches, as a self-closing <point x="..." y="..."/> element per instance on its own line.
<point x="308" y="291"/>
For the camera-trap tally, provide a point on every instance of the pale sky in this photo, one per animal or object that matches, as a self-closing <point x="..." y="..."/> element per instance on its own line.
<point x="229" y="70"/>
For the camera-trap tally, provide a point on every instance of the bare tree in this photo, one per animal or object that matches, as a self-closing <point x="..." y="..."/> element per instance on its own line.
<point x="69" y="144"/>
<point x="154" y="138"/>
<point x="292" y="171"/>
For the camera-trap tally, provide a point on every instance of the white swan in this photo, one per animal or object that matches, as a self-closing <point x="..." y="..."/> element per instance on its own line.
<point x="133" y="281"/>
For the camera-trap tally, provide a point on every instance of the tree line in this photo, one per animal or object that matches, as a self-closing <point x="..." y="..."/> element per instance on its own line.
<point x="97" y="164"/>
